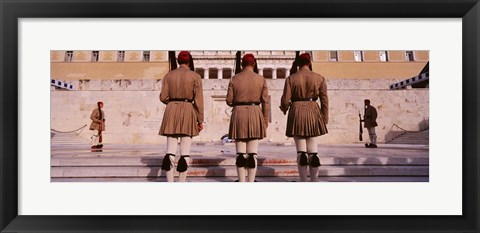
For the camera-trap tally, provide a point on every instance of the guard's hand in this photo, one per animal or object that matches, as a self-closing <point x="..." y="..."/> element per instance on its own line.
<point x="284" y="111"/>
<point x="200" y="127"/>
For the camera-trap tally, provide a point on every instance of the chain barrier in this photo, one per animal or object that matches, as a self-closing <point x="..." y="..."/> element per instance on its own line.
<point x="408" y="131"/>
<point x="72" y="131"/>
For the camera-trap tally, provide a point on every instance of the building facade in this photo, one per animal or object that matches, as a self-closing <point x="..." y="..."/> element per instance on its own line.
<point x="129" y="82"/>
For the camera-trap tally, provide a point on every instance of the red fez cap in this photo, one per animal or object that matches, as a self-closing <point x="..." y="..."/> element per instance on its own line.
<point x="305" y="56"/>
<point x="99" y="102"/>
<point x="183" y="57"/>
<point x="248" y="58"/>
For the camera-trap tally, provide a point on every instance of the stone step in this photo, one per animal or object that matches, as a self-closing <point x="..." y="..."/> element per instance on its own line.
<point x="413" y="138"/>
<point x="258" y="179"/>
<point x="69" y="143"/>
<point x="411" y="142"/>
<point x="102" y="161"/>
<point x="68" y="140"/>
<point x="230" y="171"/>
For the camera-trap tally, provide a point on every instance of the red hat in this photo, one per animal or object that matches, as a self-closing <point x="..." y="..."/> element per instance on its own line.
<point x="99" y="102"/>
<point x="248" y="58"/>
<point x="305" y="56"/>
<point x="183" y="57"/>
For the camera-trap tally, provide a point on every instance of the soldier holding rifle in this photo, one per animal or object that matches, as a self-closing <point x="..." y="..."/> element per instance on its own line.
<point x="370" y="122"/>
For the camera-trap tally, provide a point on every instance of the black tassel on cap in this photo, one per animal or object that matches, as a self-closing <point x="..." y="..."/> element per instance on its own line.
<point x="172" y="59"/>
<point x="251" y="160"/>
<point x="182" y="163"/>
<point x="303" y="158"/>
<point x="166" y="163"/>
<point x="294" y="68"/>
<point x="240" y="161"/>
<point x="314" y="160"/>
<point x="238" y="58"/>
<point x="255" y="68"/>
<point x="190" y="63"/>
<point x="310" y="64"/>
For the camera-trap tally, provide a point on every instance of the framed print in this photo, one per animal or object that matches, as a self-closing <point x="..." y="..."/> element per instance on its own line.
<point x="128" y="151"/>
<point x="91" y="152"/>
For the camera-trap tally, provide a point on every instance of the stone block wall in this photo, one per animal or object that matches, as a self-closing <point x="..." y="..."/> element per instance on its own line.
<point x="134" y="112"/>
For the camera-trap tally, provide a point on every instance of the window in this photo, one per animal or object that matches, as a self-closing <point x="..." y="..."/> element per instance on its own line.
<point x="333" y="56"/>
<point x="281" y="73"/>
<point x="212" y="73"/>
<point x="95" y="55"/>
<point x="146" y="55"/>
<point x="69" y="56"/>
<point x="227" y="73"/>
<point x="409" y="56"/>
<point x="268" y="73"/>
<point x="121" y="56"/>
<point x="200" y="71"/>
<point x="383" y="55"/>
<point x="358" y="55"/>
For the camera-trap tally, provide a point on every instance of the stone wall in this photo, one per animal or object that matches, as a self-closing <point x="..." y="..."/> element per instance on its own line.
<point x="134" y="112"/>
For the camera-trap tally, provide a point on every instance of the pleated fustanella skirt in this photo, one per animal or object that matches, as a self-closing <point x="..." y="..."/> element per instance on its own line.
<point x="247" y="122"/>
<point x="179" y="119"/>
<point x="305" y="120"/>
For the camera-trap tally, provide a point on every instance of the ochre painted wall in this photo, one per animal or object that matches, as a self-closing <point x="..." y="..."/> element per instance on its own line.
<point x="107" y="67"/>
<point x="107" y="71"/>
<point x="368" y="70"/>
<point x="370" y="56"/>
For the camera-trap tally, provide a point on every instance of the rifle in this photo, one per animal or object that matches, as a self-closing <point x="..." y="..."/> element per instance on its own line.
<point x="360" y="137"/>
<point x="100" y="129"/>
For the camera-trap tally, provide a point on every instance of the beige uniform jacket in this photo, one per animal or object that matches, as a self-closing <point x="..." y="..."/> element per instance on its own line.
<point x="181" y="118"/>
<point x="96" y="120"/>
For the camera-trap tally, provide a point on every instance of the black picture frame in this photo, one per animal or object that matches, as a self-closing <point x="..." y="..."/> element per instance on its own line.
<point x="11" y="11"/>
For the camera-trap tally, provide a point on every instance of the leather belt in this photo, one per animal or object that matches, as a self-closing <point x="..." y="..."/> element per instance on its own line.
<point x="245" y="103"/>
<point x="304" y="99"/>
<point x="181" y="100"/>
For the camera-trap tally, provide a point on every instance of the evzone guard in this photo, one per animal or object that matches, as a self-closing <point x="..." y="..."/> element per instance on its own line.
<point x="97" y="125"/>
<point x="306" y="119"/>
<point x="247" y="91"/>
<point x="183" y="118"/>
<point x="370" y="122"/>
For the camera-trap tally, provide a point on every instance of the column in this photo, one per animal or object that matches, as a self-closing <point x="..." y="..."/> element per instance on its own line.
<point x="274" y="73"/>
<point x="287" y="72"/>
<point x="205" y="73"/>
<point x="219" y="73"/>
<point x="260" y="71"/>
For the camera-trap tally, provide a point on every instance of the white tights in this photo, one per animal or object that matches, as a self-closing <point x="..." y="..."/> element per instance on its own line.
<point x="95" y="138"/>
<point x="172" y="146"/>
<point x="309" y="145"/>
<point x="245" y="147"/>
